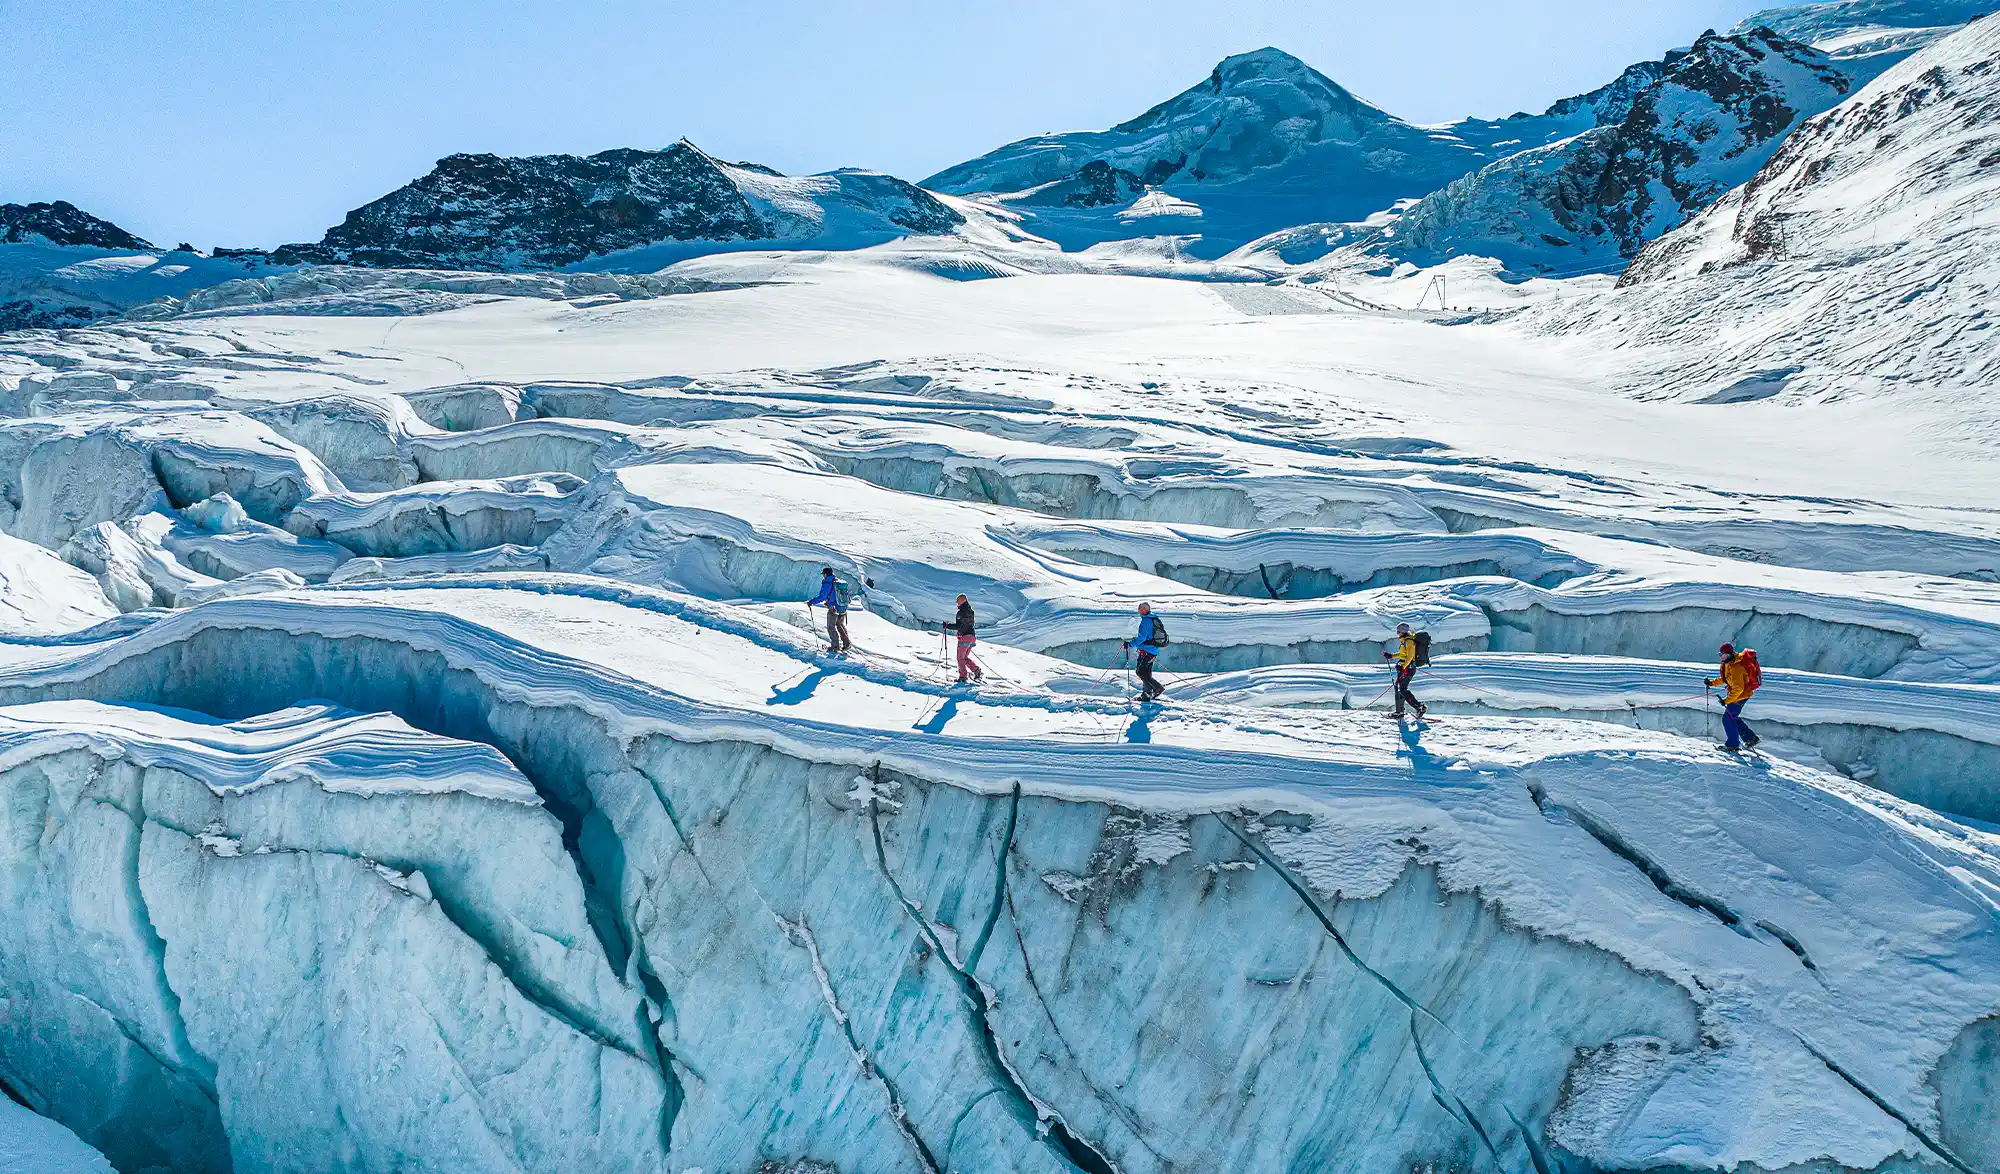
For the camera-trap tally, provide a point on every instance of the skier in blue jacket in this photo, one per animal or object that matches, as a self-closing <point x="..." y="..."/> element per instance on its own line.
<point x="833" y="596"/>
<point x="1148" y="645"/>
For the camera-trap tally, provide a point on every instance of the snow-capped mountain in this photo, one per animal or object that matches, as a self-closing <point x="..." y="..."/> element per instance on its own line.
<point x="1264" y="142"/>
<point x="1593" y="200"/>
<point x="60" y="266"/>
<point x="1869" y="36"/>
<point x="1861" y="257"/>
<point x="552" y="211"/>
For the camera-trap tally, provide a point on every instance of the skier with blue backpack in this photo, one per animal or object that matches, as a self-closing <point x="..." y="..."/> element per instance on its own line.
<point x="1150" y="639"/>
<point x="835" y="595"/>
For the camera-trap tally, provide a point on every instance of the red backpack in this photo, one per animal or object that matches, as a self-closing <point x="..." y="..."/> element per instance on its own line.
<point x="1753" y="673"/>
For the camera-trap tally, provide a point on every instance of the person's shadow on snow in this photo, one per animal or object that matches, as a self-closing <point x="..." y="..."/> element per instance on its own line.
<point x="1141" y="729"/>
<point x="799" y="692"/>
<point x="1421" y="760"/>
<point x="936" y="722"/>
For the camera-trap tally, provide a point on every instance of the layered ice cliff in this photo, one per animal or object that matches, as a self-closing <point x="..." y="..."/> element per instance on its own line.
<point x="1009" y="944"/>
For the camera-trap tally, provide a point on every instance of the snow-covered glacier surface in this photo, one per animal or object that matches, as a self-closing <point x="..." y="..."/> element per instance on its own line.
<point x="415" y="752"/>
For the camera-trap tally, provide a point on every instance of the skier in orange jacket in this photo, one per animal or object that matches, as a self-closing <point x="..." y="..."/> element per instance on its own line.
<point x="1740" y="675"/>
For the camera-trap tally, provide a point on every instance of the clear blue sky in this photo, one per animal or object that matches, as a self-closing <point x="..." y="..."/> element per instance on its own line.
<point x="255" y="122"/>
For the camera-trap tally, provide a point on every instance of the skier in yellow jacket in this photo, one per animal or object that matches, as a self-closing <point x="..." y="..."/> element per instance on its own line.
<point x="1409" y="658"/>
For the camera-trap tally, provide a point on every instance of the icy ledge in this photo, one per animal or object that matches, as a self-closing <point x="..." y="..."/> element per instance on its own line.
<point x="37" y="1145"/>
<point x="1042" y="937"/>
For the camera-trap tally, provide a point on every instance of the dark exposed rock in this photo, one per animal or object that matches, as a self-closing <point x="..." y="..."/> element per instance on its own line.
<point x="22" y="314"/>
<point x="486" y="212"/>
<point x="1099" y="183"/>
<point x="543" y="211"/>
<point x="62" y="223"/>
<point x="1732" y="72"/>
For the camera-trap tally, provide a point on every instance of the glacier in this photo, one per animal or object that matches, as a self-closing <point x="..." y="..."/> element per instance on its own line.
<point x="1386" y="884"/>
<point x="416" y="751"/>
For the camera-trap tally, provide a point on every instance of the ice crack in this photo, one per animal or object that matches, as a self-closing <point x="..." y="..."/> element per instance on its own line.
<point x="801" y="935"/>
<point x="1664" y="881"/>
<point x="1326" y="921"/>
<point x="999" y="882"/>
<point x="979" y="1001"/>
<point x="1933" y="1144"/>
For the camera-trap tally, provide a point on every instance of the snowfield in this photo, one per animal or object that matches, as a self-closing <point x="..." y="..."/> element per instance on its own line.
<point x="416" y="751"/>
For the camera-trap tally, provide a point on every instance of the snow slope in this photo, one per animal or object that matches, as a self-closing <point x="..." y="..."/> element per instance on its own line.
<point x="61" y="266"/>
<point x="1858" y="261"/>
<point x="1869" y="36"/>
<point x="45" y="286"/>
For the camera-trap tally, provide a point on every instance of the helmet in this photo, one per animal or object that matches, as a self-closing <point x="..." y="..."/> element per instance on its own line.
<point x="826" y="570"/>
<point x="1402" y="629"/>
<point x="1728" y="650"/>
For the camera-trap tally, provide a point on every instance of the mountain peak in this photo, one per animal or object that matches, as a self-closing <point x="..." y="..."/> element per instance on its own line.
<point x="1287" y="143"/>
<point x="1262" y="63"/>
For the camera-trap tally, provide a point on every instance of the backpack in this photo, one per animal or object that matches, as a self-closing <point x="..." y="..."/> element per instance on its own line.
<point x="1423" y="659"/>
<point x="1160" y="632"/>
<point x="843" y="594"/>
<point x="1753" y="673"/>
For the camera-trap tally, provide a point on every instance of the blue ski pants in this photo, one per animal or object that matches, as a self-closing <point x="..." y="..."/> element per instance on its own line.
<point x="1736" y="731"/>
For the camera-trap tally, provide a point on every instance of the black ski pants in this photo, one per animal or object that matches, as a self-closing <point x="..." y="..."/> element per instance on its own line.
<point x="1404" y="674"/>
<point x="1148" y="685"/>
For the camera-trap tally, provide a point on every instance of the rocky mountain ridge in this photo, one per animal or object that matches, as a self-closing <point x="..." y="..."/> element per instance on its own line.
<point x="1858" y="261"/>
<point x="551" y="211"/>
<point x="1595" y="200"/>
<point x="62" y="223"/>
